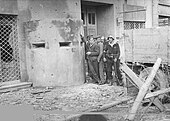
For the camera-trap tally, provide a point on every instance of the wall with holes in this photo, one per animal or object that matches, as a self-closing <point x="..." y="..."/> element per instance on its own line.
<point x="55" y="54"/>
<point x="49" y="41"/>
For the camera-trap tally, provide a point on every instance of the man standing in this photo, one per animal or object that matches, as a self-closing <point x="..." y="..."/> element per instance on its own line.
<point x="100" y="60"/>
<point x="92" y="53"/>
<point x="111" y="57"/>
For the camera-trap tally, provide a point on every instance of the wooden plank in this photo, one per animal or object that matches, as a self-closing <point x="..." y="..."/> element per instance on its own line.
<point x="143" y="90"/>
<point x="104" y="107"/>
<point x="153" y="94"/>
<point x="21" y="85"/>
<point x="132" y="75"/>
<point x="9" y="83"/>
<point x="152" y="41"/>
<point x="158" y="104"/>
<point x="138" y="82"/>
<point x="40" y="91"/>
<point x="149" y="58"/>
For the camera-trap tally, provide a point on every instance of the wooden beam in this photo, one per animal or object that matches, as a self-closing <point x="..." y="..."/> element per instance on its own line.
<point x="143" y="90"/>
<point x="17" y="86"/>
<point x="153" y="94"/>
<point x="135" y="79"/>
<point x="158" y="104"/>
<point x="133" y="11"/>
<point x="104" y="107"/>
<point x="132" y="75"/>
<point x="9" y="82"/>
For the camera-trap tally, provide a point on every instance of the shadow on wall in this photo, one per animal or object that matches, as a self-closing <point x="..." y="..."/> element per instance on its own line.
<point x="92" y="117"/>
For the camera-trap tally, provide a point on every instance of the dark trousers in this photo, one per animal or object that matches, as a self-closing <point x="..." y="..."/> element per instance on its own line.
<point x="93" y="70"/>
<point x="109" y="64"/>
<point x="101" y="71"/>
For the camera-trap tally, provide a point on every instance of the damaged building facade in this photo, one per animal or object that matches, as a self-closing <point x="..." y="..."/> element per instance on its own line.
<point x="40" y="39"/>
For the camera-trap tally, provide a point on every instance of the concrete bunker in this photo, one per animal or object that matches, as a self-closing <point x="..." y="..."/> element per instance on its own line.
<point x="54" y="52"/>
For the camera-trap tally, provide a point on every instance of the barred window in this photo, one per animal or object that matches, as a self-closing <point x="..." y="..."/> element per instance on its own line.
<point x="133" y="25"/>
<point x="164" y="21"/>
<point x="9" y="50"/>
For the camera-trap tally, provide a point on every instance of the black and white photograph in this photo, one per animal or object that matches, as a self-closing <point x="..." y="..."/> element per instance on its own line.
<point x="84" y="60"/>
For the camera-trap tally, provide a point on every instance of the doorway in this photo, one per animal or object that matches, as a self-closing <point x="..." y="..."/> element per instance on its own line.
<point x="89" y="18"/>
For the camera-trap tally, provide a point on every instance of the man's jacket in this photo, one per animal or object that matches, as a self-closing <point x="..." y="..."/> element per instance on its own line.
<point x="112" y="52"/>
<point x="95" y="50"/>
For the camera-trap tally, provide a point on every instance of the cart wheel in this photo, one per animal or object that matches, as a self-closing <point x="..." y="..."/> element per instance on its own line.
<point x="159" y="82"/>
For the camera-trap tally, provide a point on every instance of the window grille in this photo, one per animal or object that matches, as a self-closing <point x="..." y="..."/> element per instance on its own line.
<point x="164" y="21"/>
<point x="9" y="50"/>
<point x="133" y="25"/>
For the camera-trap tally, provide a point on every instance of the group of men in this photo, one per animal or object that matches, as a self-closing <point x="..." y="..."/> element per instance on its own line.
<point x="102" y="57"/>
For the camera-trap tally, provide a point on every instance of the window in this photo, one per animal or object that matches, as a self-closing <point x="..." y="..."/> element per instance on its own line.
<point x="64" y="44"/>
<point x="164" y="21"/>
<point x="91" y="18"/>
<point x="133" y="25"/>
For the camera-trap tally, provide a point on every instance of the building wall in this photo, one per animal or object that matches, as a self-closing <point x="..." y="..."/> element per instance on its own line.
<point x="134" y="13"/>
<point x="136" y="2"/>
<point x="8" y="7"/>
<point x="105" y="20"/>
<point x="51" y="61"/>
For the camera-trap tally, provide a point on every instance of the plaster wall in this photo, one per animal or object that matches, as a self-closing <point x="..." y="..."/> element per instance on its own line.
<point x="62" y="66"/>
<point x="136" y="2"/>
<point x="105" y="20"/>
<point x="51" y="63"/>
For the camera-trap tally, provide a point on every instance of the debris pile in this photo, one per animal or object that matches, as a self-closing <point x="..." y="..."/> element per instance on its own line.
<point x="76" y="98"/>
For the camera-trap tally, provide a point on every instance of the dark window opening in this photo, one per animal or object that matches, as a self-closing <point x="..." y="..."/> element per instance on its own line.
<point x="89" y="18"/>
<point x="93" y="18"/>
<point x="64" y="44"/>
<point x="164" y="21"/>
<point x="38" y="45"/>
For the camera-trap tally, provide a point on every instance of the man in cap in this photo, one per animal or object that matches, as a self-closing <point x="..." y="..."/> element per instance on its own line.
<point x="92" y="53"/>
<point x="111" y="57"/>
<point x="100" y="60"/>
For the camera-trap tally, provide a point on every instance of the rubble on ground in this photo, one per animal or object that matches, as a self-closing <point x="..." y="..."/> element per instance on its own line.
<point x="77" y="98"/>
